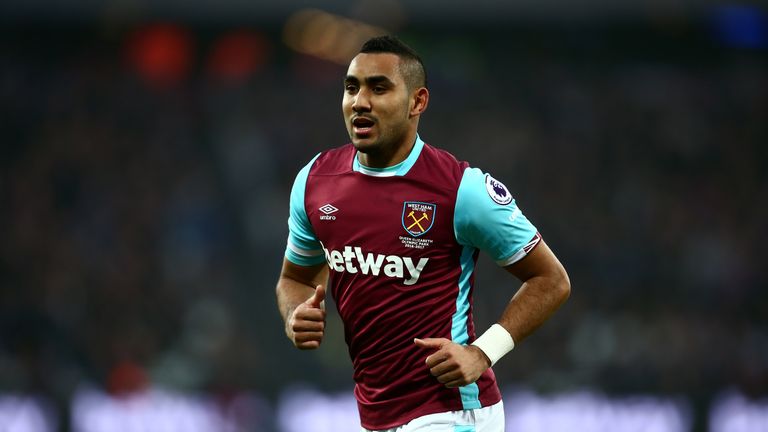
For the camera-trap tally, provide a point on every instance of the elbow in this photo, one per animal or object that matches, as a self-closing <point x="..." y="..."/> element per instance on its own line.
<point x="562" y="284"/>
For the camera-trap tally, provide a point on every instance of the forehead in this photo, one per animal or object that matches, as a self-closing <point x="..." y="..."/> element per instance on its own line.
<point x="375" y="64"/>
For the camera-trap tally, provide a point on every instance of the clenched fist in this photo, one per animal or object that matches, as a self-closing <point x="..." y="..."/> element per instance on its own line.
<point x="452" y="364"/>
<point x="306" y="325"/>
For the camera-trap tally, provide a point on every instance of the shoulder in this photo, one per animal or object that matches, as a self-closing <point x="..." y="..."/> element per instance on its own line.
<point x="334" y="161"/>
<point x="487" y="217"/>
<point x="441" y="164"/>
<point x="478" y="187"/>
<point x="443" y="156"/>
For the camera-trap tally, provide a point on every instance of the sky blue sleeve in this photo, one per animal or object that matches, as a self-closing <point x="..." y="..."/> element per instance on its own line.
<point x="487" y="218"/>
<point x="303" y="247"/>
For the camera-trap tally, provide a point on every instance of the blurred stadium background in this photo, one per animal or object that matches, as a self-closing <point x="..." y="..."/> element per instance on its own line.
<point x="148" y="148"/>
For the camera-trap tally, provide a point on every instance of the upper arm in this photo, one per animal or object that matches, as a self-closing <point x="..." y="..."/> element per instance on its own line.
<point x="488" y="218"/>
<point x="540" y="262"/>
<point x="303" y="248"/>
<point x="312" y="276"/>
<point x="296" y="284"/>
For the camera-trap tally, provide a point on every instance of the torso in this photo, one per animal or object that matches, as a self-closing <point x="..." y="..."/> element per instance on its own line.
<point x="400" y="227"/>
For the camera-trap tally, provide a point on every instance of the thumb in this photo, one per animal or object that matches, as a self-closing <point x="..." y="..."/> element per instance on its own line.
<point x="435" y="343"/>
<point x="317" y="297"/>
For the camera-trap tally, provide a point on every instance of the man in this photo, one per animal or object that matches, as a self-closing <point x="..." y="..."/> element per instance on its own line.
<point x="393" y="226"/>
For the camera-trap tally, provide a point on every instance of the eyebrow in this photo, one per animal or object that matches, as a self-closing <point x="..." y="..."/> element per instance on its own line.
<point x="370" y="81"/>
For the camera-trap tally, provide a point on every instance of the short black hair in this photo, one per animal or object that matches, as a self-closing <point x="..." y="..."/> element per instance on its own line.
<point x="411" y="65"/>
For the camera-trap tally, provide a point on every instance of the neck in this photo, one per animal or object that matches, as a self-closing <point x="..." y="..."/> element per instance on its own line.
<point x="389" y="157"/>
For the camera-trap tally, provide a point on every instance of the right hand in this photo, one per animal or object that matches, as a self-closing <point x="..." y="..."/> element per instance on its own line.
<point x="306" y="325"/>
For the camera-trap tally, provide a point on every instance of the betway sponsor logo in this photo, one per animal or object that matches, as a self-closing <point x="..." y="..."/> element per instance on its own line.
<point x="353" y="260"/>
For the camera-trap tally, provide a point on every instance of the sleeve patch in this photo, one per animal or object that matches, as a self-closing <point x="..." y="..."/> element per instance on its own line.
<point x="522" y="253"/>
<point x="497" y="191"/>
<point x="496" y="225"/>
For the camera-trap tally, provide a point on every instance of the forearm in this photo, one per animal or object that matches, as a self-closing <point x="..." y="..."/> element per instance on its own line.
<point x="300" y="294"/>
<point x="536" y="300"/>
<point x="290" y="294"/>
<point x="296" y="284"/>
<point x="545" y="287"/>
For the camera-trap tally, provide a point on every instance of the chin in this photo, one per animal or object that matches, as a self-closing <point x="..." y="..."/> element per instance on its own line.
<point x="364" y="144"/>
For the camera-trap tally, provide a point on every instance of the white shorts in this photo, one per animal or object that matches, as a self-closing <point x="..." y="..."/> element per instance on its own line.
<point x="486" y="419"/>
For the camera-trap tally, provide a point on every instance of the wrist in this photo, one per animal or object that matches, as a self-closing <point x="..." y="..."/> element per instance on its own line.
<point x="482" y="355"/>
<point x="495" y="343"/>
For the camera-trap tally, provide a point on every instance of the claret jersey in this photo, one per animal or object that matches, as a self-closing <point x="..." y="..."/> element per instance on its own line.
<point x="401" y="244"/>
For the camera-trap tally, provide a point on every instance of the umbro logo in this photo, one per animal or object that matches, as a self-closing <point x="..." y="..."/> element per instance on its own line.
<point x="327" y="209"/>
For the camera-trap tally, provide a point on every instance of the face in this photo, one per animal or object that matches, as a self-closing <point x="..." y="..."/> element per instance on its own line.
<point x="377" y="105"/>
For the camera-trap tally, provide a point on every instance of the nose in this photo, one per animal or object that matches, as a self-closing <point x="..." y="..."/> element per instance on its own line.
<point x="361" y="102"/>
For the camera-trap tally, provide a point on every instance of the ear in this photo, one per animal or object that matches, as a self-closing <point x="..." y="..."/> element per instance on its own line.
<point x="419" y="101"/>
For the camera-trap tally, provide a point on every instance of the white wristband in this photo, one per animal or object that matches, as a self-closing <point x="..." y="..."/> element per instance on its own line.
<point x="495" y="342"/>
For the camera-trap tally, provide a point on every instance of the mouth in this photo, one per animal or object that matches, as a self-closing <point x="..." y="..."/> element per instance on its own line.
<point x="362" y="126"/>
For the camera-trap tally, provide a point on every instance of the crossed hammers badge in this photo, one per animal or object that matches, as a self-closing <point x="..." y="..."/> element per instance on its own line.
<point x="418" y="217"/>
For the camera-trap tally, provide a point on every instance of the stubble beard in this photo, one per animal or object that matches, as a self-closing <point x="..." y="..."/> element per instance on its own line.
<point x="383" y="145"/>
<point x="388" y="140"/>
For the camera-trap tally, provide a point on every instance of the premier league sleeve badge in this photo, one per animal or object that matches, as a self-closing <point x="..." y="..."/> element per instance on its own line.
<point x="497" y="191"/>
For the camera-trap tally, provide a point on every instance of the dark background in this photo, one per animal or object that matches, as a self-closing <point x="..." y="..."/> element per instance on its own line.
<point x="147" y="154"/>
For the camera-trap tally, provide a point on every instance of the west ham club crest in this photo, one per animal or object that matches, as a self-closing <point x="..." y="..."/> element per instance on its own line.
<point x="418" y="217"/>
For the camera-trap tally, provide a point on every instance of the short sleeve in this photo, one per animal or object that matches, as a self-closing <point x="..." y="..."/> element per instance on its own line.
<point x="303" y="247"/>
<point x="487" y="217"/>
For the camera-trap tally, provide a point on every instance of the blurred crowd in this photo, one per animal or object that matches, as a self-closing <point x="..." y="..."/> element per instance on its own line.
<point x="143" y="223"/>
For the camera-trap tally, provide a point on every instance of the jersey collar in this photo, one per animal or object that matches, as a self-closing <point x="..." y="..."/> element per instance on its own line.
<point x="400" y="169"/>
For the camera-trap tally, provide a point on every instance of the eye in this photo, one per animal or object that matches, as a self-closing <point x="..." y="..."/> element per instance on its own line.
<point x="379" y="89"/>
<point x="350" y="88"/>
